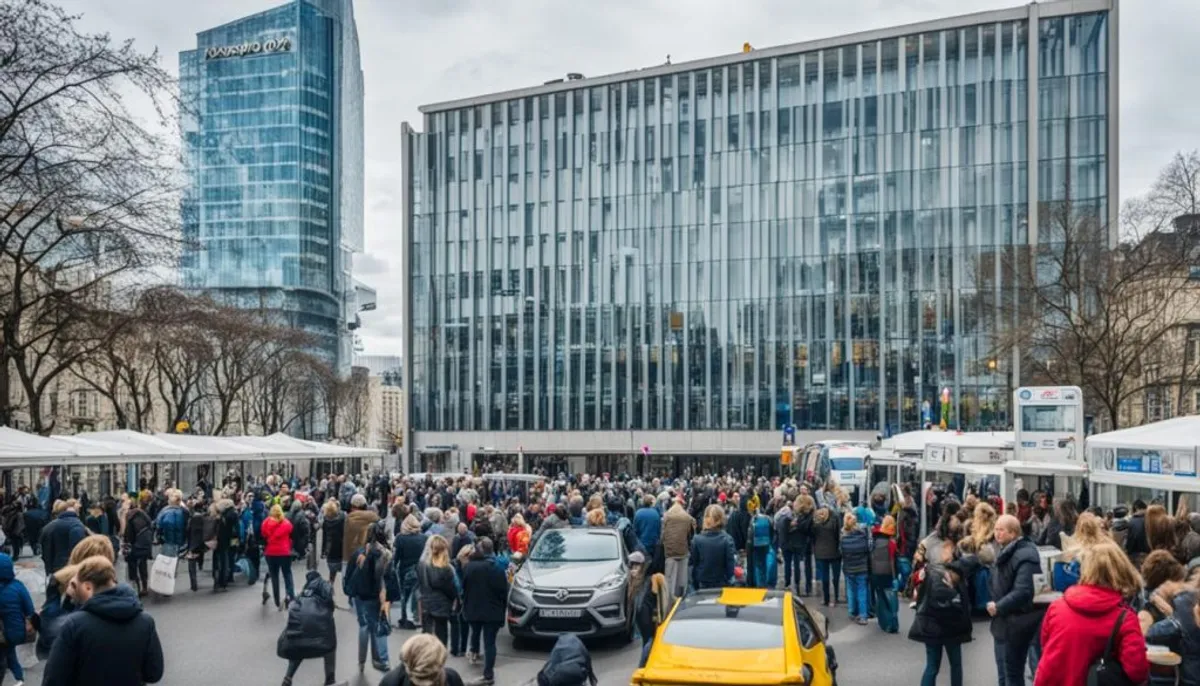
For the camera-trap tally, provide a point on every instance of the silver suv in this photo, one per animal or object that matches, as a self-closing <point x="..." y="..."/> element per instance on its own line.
<point x="574" y="581"/>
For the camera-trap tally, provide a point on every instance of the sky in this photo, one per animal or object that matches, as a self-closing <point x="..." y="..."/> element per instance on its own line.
<point x="417" y="52"/>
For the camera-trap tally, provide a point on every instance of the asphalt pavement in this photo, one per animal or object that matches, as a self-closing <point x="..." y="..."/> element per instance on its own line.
<point x="230" y="638"/>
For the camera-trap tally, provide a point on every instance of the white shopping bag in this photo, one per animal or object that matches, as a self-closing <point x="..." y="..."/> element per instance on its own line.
<point x="27" y="655"/>
<point x="162" y="576"/>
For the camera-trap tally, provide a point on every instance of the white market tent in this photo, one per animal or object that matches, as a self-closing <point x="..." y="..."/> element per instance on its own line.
<point x="1157" y="460"/>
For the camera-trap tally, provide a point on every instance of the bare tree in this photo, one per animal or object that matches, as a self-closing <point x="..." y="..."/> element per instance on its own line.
<point x="346" y="403"/>
<point x="87" y="199"/>
<point x="1083" y="313"/>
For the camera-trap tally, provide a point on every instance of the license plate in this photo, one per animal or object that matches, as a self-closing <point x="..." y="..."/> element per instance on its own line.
<point x="561" y="614"/>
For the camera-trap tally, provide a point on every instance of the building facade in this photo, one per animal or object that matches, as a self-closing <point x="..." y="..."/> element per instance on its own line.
<point x="687" y="257"/>
<point x="272" y="122"/>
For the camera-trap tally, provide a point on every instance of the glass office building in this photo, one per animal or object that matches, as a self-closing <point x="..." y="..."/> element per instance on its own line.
<point x="272" y="121"/>
<point x="809" y="234"/>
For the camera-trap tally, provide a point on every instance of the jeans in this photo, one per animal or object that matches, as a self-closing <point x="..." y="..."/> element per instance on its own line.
<point x="791" y="562"/>
<point x="999" y="650"/>
<point x="194" y="566"/>
<point x="223" y="570"/>
<point x="330" y="667"/>
<point x="488" y="630"/>
<point x="1016" y="648"/>
<point x="676" y="572"/>
<point x="458" y="634"/>
<point x="827" y="571"/>
<point x="8" y="657"/>
<point x="887" y="605"/>
<point x="369" y="615"/>
<point x="856" y="595"/>
<point x="933" y="663"/>
<point x="438" y="626"/>
<point x="903" y="571"/>
<point x="408" y="596"/>
<point x="275" y="565"/>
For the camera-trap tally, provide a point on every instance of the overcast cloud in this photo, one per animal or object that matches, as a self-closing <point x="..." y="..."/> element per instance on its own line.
<point x="422" y="51"/>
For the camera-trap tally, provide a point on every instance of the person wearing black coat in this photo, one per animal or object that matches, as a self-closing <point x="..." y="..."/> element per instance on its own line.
<point x="485" y="596"/>
<point x="227" y="533"/>
<point x="1137" y="545"/>
<point x="1015" y="619"/>
<point x="943" y="618"/>
<point x="138" y="545"/>
<point x="333" y="530"/>
<point x="798" y="540"/>
<point x="408" y="547"/>
<point x="310" y="631"/>
<point x="196" y="545"/>
<point x="713" y="556"/>
<point x="109" y="640"/>
<point x="438" y="592"/>
<point x="301" y="530"/>
<point x="58" y="538"/>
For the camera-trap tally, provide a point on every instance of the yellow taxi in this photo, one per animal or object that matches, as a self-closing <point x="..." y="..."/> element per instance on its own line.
<point x="740" y="637"/>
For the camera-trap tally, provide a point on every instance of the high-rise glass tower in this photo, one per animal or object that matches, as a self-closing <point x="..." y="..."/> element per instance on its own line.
<point x="272" y="121"/>
<point x="689" y="256"/>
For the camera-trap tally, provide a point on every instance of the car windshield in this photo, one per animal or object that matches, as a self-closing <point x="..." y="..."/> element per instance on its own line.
<point x="709" y="625"/>
<point x="575" y="545"/>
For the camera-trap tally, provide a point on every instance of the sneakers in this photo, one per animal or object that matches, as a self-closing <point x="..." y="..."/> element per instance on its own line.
<point x="381" y="667"/>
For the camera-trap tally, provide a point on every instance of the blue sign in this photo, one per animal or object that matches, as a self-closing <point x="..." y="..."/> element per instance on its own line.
<point x="1129" y="464"/>
<point x="789" y="434"/>
<point x="1026" y="394"/>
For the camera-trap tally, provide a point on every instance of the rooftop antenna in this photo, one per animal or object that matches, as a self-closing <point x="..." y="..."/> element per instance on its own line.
<point x="668" y="58"/>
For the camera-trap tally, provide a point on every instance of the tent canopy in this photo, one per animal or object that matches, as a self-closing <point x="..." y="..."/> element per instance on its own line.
<point x="1180" y="433"/>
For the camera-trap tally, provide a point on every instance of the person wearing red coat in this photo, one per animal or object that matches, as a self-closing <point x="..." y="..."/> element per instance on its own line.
<point x="1077" y="627"/>
<point x="277" y="532"/>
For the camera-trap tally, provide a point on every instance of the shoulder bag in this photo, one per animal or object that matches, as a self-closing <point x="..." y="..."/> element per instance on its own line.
<point x="1107" y="670"/>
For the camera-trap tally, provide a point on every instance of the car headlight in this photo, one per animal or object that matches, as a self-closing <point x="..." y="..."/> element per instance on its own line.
<point x="522" y="582"/>
<point x="611" y="582"/>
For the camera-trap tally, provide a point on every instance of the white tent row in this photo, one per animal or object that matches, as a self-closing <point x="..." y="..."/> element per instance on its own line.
<point x="1157" y="460"/>
<point x="20" y="449"/>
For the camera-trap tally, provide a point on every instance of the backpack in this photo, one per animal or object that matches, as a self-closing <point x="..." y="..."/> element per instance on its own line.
<point x="762" y="531"/>
<point x="938" y="596"/>
<point x="1107" y="670"/>
<point x="881" y="560"/>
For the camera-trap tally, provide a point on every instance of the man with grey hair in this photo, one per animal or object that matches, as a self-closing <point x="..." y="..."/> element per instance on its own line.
<point x="358" y="523"/>
<point x="1015" y="619"/>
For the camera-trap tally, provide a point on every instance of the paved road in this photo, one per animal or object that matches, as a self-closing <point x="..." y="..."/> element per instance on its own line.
<point x="230" y="638"/>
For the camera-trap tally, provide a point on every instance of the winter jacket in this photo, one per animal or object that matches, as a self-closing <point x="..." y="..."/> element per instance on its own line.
<point x="355" y="534"/>
<point x="677" y="529"/>
<point x="944" y="612"/>
<point x="1051" y="534"/>
<point x="459" y="542"/>
<point x="407" y="551"/>
<point x="278" y="537"/>
<point x="59" y="538"/>
<point x="196" y="530"/>
<point x="883" y="554"/>
<point x="1136" y="542"/>
<point x="797" y="536"/>
<point x="855" y="547"/>
<point x="139" y="534"/>
<point x="109" y="641"/>
<point x="570" y="664"/>
<point x="908" y="527"/>
<point x="15" y="603"/>
<point x="1011" y="589"/>
<point x="1076" y="630"/>
<point x="738" y="526"/>
<point x="438" y="591"/>
<point x="171" y="527"/>
<point x="713" y="559"/>
<point x="647" y="524"/>
<point x="228" y="524"/>
<point x="310" y="630"/>
<point x="332" y="531"/>
<point x="825" y="539"/>
<point x="365" y="577"/>
<point x="301" y="532"/>
<point x="518" y="539"/>
<point x="485" y="590"/>
<point x="1181" y="634"/>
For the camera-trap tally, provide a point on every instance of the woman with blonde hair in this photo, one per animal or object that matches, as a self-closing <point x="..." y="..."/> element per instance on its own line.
<point x="826" y="537"/>
<point x="277" y="534"/>
<point x="855" y="547"/>
<point x="713" y="558"/>
<point x="519" y="535"/>
<point x="59" y="602"/>
<point x="439" y="594"/>
<point x="800" y="538"/>
<point x="596" y="518"/>
<point x="422" y="663"/>
<point x="1079" y="627"/>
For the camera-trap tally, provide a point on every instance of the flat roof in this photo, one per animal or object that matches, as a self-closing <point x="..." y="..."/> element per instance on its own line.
<point x="1047" y="9"/>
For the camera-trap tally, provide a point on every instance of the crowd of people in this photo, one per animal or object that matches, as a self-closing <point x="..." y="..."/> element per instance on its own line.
<point x="434" y="557"/>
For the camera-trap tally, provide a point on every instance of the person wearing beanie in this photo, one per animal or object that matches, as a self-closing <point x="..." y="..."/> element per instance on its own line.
<point x="883" y="574"/>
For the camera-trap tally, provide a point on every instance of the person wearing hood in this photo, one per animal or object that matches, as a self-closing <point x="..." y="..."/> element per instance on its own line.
<point x="16" y="606"/>
<point x="1091" y="618"/>
<point x="569" y="664"/>
<point x="826" y="536"/>
<point x="310" y="632"/>
<point x="109" y="641"/>
<point x="407" y="549"/>
<point x="228" y="529"/>
<point x="333" y="529"/>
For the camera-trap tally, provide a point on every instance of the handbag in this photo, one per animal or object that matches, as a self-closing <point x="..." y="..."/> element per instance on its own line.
<point x="383" y="626"/>
<point x="1107" y="670"/>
